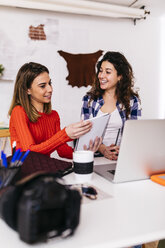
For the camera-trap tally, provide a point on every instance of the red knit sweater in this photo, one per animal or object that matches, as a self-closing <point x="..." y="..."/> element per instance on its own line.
<point x="43" y="136"/>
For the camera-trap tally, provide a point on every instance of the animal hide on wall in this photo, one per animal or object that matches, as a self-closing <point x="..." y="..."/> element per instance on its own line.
<point x="81" y="67"/>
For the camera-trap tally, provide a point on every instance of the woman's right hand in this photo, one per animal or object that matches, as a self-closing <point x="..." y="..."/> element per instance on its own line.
<point x="75" y="130"/>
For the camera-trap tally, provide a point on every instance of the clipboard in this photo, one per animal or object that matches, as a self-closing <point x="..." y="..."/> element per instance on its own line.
<point x="98" y="130"/>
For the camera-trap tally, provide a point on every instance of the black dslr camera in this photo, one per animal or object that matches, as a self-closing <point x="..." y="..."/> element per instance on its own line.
<point x="40" y="207"/>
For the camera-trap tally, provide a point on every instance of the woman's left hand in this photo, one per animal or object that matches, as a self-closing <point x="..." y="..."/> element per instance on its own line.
<point x="93" y="146"/>
<point x="114" y="150"/>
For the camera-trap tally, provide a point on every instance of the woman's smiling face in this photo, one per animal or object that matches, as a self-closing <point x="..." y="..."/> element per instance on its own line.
<point x="40" y="91"/>
<point x="107" y="76"/>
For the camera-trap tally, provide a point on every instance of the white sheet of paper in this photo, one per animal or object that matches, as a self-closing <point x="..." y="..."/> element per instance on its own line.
<point x="98" y="127"/>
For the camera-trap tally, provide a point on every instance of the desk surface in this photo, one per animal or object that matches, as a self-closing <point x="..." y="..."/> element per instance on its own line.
<point x="132" y="214"/>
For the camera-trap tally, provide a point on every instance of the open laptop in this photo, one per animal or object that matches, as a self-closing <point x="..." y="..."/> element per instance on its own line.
<point x="142" y="152"/>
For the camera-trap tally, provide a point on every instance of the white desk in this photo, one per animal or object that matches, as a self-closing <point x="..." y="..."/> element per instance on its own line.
<point x="134" y="214"/>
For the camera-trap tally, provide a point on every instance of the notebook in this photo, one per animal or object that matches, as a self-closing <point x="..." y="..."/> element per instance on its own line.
<point x="142" y="152"/>
<point x="98" y="128"/>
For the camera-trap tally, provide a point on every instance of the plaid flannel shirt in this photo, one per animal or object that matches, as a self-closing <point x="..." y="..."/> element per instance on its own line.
<point x="89" y="111"/>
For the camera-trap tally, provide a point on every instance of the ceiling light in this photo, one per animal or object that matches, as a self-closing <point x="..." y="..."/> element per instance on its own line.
<point x="79" y="7"/>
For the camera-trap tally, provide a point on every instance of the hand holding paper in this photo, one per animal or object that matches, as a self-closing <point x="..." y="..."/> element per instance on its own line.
<point x="98" y="128"/>
<point x="75" y="130"/>
<point x="94" y="145"/>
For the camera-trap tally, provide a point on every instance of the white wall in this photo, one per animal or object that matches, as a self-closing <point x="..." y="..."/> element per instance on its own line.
<point x="140" y="43"/>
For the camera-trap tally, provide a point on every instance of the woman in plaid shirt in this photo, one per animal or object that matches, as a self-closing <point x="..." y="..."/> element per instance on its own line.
<point x="112" y="92"/>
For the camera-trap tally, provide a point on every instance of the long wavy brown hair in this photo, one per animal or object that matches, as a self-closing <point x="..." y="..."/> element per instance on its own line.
<point x="124" y="89"/>
<point x="25" y="76"/>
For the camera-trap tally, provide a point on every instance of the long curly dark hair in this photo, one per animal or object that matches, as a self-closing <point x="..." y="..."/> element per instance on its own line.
<point x="124" y="89"/>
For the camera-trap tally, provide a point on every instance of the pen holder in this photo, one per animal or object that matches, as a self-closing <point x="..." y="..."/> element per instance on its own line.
<point x="8" y="175"/>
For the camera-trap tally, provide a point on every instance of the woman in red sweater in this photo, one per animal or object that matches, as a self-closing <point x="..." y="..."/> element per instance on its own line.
<point x="33" y="123"/>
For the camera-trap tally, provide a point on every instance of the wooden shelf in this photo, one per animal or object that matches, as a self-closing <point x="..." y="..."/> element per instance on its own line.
<point x="4" y="132"/>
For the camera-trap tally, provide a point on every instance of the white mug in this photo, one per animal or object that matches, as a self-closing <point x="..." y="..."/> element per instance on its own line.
<point x="83" y="165"/>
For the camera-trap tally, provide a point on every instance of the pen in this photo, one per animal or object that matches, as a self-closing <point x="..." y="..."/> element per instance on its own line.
<point x="17" y="159"/>
<point x="4" y="159"/>
<point x="13" y="147"/>
<point x="9" y="178"/>
<point x="117" y="137"/>
<point x="14" y="157"/>
<point x="113" y="150"/>
<point x="23" y="158"/>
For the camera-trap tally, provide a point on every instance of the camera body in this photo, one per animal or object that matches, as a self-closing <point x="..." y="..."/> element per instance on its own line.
<point x="43" y="208"/>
